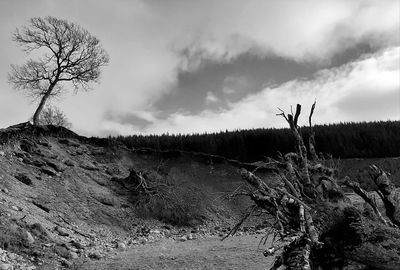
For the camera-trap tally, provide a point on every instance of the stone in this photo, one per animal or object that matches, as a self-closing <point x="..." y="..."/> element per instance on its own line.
<point x="133" y="242"/>
<point x="48" y="171"/>
<point x="44" y="143"/>
<point x="68" y="142"/>
<point x="2" y="153"/>
<point x="167" y="227"/>
<point x="89" y="166"/>
<point x="65" y="263"/>
<point x="98" y="151"/>
<point x="37" y="162"/>
<point x="41" y="206"/>
<point x="143" y="241"/>
<point x="29" y="237"/>
<point x="61" y="231"/>
<point x="78" y="152"/>
<point x="121" y="246"/>
<point x="27" y="161"/>
<point x="15" y="208"/>
<point x="5" y="190"/>
<point x="112" y="171"/>
<point x="69" y="163"/>
<point x="191" y="237"/>
<point x="39" y="230"/>
<point x="95" y="255"/>
<point x="72" y="249"/>
<point x="182" y="238"/>
<point x="19" y="155"/>
<point x="74" y="255"/>
<point x="12" y="256"/>
<point x="24" y="179"/>
<point x="27" y="146"/>
<point x="6" y="266"/>
<point x="76" y="244"/>
<point x="62" y="251"/>
<point x="105" y="199"/>
<point x="56" y="166"/>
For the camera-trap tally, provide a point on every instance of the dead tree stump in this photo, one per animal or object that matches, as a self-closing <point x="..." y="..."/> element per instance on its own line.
<point x="317" y="225"/>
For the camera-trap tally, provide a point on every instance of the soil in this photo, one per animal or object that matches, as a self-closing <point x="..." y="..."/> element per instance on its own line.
<point x="237" y="252"/>
<point x="78" y="192"/>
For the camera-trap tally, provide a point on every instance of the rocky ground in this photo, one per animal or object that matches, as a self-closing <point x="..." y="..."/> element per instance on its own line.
<point x="237" y="252"/>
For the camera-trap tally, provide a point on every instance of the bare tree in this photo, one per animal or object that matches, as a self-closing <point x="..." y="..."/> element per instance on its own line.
<point x="53" y="116"/>
<point x="70" y="55"/>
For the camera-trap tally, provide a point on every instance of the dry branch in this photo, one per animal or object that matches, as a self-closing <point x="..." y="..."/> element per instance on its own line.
<point x="311" y="140"/>
<point x="237" y="226"/>
<point x="366" y="197"/>
<point x="390" y="194"/>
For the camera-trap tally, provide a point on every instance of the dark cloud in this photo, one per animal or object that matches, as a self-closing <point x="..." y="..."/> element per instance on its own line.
<point x="128" y="119"/>
<point x="243" y="76"/>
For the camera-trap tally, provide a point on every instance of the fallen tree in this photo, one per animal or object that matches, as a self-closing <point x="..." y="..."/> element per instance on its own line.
<point x="317" y="225"/>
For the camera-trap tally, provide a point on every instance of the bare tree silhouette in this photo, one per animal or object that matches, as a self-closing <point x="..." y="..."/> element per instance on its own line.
<point x="69" y="54"/>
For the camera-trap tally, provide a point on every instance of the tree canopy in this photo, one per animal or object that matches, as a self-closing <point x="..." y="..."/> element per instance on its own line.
<point x="343" y="140"/>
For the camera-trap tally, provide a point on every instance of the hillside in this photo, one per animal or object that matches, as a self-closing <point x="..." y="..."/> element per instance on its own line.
<point x="66" y="198"/>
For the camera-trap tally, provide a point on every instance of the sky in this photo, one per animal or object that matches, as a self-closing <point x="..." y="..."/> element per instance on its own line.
<point x="188" y="66"/>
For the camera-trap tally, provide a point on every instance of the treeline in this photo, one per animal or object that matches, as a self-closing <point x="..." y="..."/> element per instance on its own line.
<point x="344" y="140"/>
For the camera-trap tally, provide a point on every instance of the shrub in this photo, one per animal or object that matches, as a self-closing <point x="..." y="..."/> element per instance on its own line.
<point x="12" y="237"/>
<point x="174" y="204"/>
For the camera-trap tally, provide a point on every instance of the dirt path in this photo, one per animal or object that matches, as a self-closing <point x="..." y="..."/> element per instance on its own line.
<point x="238" y="252"/>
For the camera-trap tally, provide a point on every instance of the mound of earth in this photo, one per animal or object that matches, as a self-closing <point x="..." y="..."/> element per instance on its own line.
<point x="66" y="198"/>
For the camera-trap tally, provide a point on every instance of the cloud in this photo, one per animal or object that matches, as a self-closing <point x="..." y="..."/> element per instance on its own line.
<point x="152" y="42"/>
<point x="366" y="87"/>
<point x="137" y="119"/>
<point x="311" y="30"/>
<point x="211" y="98"/>
<point x="228" y="91"/>
<point x="238" y="83"/>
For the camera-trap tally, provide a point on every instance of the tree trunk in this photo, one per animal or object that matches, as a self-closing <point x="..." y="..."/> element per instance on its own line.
<point x="41" y="105"/>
